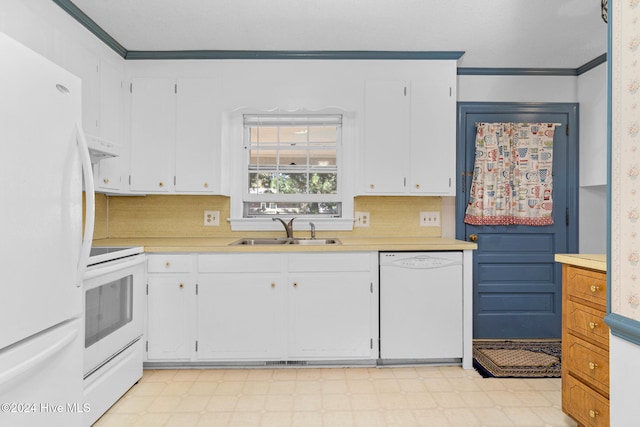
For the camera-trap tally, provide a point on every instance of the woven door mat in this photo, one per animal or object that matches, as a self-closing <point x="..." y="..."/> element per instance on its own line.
<point x="517" y="358"/>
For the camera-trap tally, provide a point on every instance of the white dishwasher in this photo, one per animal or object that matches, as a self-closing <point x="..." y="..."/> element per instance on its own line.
<point x="421" y="307"/>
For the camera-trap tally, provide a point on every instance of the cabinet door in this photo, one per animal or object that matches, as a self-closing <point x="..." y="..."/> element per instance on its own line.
<point x="330" y="315"/>
<point x="152" y="134"/>
<point x="240" y="316"/>
<point x="85" y="64"/>
<point x="108" y="172"/>
<point x="386" y="137"/>
<point x="197" y="150"/>
<point x="169" y="311"/>
<point x="433" y="115"/>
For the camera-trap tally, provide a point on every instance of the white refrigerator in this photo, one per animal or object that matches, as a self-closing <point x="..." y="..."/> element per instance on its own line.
<point x="42" y="250"/>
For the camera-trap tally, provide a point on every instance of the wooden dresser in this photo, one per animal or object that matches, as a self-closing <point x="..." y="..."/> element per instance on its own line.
<point x="585" y="344"/>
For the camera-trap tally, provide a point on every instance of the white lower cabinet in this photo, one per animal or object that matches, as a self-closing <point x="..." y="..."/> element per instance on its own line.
<point x="267" y="307"/>
<point x="170" y="295"/>
<point x="169" y="302"/>
<point x="333" y="305"/>
<point x="240" y="317"/>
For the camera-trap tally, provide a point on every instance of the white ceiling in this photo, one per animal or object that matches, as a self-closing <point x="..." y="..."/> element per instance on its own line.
<point x="493" y="33"/>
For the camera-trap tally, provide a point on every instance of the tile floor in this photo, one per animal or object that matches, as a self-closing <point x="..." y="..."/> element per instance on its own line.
<point x="336" y="397"/>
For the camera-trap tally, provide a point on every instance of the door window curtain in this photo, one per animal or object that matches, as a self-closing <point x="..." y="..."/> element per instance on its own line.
<point x="512" y="175"/>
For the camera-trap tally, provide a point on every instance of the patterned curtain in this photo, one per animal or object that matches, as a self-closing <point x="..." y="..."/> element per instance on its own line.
<point x="512" y="175"/>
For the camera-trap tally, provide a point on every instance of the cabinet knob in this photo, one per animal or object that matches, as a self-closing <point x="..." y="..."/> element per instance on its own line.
<point x="181" y="285"/>
<point x="167" y="264"/>
<point x="273" y="285"/>
<point x="594" y="288"/>
<point x="106" y="180"/>
<point x="593" y="325"/>
<point x="593" y="366"/>
<point x="372" y="186"/>
<point x="473" y="237"/>
<point x="593" y="413"/>
<point x="417" y="186"/>
<point x="161" y="184"/>
<point x="206" y="185"/>
<point x="295" y="284"/>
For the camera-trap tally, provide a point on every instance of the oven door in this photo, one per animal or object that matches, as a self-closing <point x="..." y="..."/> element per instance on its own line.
<point x="114" y="309"/>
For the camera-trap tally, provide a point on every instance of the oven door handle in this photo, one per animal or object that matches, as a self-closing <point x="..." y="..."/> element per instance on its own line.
<point x="90" y="204"/>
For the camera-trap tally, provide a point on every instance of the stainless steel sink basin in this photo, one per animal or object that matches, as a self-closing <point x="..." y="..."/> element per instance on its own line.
<point x="260" y="242"/>
<point x="315" y="242"/>
<point x="284" y="241"/>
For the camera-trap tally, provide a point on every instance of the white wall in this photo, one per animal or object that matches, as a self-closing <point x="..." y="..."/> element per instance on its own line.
<point x="592" y="95"/>
<point x="44" y="27"/>
<point x="624" y="378"/>
<point x="517" y="89"/>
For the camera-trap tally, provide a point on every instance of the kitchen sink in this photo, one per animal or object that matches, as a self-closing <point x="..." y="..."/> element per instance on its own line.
<point x="260" y="242"/>
<point x="284" y="241"/>
<point x="315" y="242"/>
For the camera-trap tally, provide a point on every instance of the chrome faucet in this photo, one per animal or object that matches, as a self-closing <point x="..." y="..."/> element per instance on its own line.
<point x="287" y="227"/>
<point x="313" y="230"/>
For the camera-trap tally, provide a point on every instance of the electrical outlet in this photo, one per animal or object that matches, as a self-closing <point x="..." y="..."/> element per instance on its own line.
<point x="211" y="218"/>
<point x="362" y="219"/>
<point x="430" y="219"/>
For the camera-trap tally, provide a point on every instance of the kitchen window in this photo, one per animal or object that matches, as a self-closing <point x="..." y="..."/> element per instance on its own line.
<point x="292" y="165"/>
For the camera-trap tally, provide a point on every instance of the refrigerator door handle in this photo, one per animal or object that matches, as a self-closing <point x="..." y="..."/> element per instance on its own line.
<point x="90" y="204"/>
<point x="49" y="346"/>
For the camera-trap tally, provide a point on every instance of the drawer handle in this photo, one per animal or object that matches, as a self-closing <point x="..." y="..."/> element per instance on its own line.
<point x="295" y="284"/>
<point x="593" y="413"/>
<point x="593" y="366"/>
<point x="161" y="184"/>
<point x="593" y="325"/>
<point x="106" y="180"/>
<point x="181" y="285"/>
<point x="167" y="264"/>
<point x="594" y="288"/>
<point x="273" y="285"/>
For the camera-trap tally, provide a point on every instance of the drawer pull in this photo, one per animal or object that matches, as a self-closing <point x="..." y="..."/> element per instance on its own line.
<point x="273" y="285"/>
<point x="181" y="285"/>
<point x="593" y="366"/>
<point x="167" y="264"/>
<point x="295" y="284"/>
<point x="594" y="288"/>
<point x="593" y="413"/>
<point x="593" y="325"/>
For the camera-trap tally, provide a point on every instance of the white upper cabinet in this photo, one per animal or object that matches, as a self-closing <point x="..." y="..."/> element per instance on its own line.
<point x="386" y="145"/>
<point x="173" y="144"/>
<point x="153" y="124"/>
<point x="197" y="152"/>
<point x="409" y="138"/>
<point x="109" y="172"/>
<point x="85" y="64"/>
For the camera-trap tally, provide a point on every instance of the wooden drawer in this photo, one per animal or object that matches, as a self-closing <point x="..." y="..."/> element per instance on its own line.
<point x="586" y="361"/>
<point x="586" y="284"/>
<point x="169" y="263"/>
<point x="587" y="406"/>
<point x="587" y="321"/>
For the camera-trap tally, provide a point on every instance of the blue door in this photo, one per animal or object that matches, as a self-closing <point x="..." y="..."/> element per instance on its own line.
<point x="517" y="286"/>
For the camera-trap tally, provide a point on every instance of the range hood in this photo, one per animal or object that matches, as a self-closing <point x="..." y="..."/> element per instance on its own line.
<point x="100" y="149"/>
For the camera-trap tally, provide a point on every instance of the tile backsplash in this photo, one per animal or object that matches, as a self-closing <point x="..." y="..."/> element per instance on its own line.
<point x="182" y="216"/>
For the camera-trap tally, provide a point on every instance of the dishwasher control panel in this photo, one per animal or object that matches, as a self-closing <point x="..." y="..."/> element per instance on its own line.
<point x="418" y="261"/>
